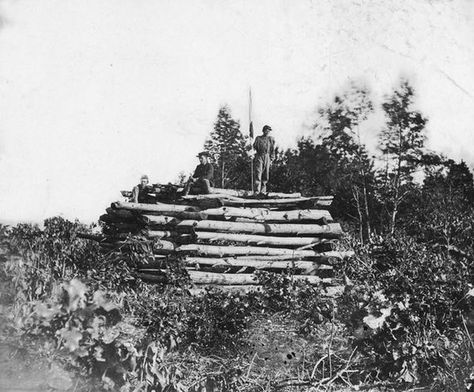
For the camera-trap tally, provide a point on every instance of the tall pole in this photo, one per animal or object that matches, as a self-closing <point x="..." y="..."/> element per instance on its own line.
<point x="251" y="138"/>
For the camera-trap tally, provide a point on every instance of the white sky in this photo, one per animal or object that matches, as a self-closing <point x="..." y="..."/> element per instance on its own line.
<point x="94" y="93"/>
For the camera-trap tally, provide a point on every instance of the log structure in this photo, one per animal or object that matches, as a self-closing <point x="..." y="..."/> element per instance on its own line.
<point x="225" y="237"/>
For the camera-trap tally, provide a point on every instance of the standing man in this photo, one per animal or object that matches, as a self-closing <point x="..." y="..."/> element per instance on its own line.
<point x="264" y="146"/>
<point x="203" y="176"/>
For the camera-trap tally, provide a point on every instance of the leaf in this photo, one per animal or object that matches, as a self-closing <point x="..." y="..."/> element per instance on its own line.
<point x="407" y="375"/>
<point x="98" y="351"/>
<point x="109" y="335"/>
<point x="374" y="322"/>
<point x="45" y="312"/>
<point x="71" y="338"/>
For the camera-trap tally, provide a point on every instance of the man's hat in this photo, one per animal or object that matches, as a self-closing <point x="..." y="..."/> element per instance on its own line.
<point x="266" y="128"/>
<point x="204" y="153"/>
<point x="144" y="177"/>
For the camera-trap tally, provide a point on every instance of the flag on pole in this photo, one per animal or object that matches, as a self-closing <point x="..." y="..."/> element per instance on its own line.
<point x="250" y="115"/>
<point x="251" y="139"/>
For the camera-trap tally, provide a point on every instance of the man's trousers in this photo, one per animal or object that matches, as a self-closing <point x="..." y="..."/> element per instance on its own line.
<point x="262" y="172"/>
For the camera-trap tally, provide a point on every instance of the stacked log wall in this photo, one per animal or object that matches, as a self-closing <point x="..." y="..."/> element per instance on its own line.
<point x="224" y="239"/>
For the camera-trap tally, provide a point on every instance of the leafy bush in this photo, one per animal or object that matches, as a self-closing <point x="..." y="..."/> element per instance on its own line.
<point x="406" y="312"/>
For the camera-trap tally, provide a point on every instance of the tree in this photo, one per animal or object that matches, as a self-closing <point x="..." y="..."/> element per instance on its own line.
<point x="228" y="147"/>
<point x="444" y="213"/>
<point x="350" y="167"/>
<point x="402" y="145"/>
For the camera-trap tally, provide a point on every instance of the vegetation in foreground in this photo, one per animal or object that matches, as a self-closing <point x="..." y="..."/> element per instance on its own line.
<point x="404" y="321"/>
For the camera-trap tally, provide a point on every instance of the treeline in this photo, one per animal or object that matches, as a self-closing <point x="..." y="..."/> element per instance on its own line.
<point x="404" y="186"/>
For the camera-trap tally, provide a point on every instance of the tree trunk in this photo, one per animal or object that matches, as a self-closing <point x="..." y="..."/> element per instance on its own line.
<point x="268" y="215"/>
<point x="199" y="277"/>
<point x="151" y="278"/>
<point x="211" y="250"/>
<point x="158" y="207"/>
<point x="158" y="220"/>
<point x="307" y="266"/>
<point x="259" y="239"/>
<point x="159" y="234"/>
<point x="331" y="230"/>
<point x="330" y="291"/>
<point x="244" y="193"/>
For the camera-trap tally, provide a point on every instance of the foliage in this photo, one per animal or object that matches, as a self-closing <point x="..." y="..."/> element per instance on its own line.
<point x="402" y="145"/>
<point x="406" y="312"/>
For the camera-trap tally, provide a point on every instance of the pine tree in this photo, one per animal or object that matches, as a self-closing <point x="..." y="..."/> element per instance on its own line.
<point x="228" y="147"/>
<point x="402" y="145"/>
<point x="350" y="167"/>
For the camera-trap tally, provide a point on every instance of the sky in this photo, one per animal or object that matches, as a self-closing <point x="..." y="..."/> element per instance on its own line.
<point x="95" y="93"/>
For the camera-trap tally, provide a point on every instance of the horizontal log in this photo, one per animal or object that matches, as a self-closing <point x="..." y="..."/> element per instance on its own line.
<point x="158" y="207"/>
<point x="159" y="234"/>
<point x="211" y="250"/>
<point x="199" y="277"/>
<point x="152" y="278"/>
<point x="197" y="290"/>
<point x="210" y="196"/>
<point x="308" y="266"/>
<point x="256" y="239"/>
<point x="329" y="230"/>
<point x="219" y="200"/>
<point x="275" y="258"/>
<point x="201" y="289"/>
<point x="266" y="214"/>
<point x="245" y="193"/>
<point x="111" y="218"/>
<point x="321" y="201"/>
<point x="158" y="247"/>
<point x="124" y="214"/>
<point x="158" y="220"/>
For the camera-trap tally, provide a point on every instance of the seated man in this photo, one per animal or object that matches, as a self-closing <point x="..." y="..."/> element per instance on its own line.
<point x="140" y="191"/>
<point x="203" y="175"/>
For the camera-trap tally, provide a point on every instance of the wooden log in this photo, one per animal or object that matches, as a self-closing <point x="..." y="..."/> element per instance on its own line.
<point x="266" y="214"/>
<point x="158" y="207"/>
<point x="308" y="266"/>
<point x="331" y="230"/>
<point x="199" y="277"/>
<point x="211" y="250"/>
<point x="197" y="290"/>
<point x="163" y="247"/>
<point x="152" y="278"/>
<point x="158" y="261"/>
<point x="319" y="259"/>
<point x="158" y="247"/>
<point x="124" y="214"/>
<point x="219" y="200"/>
<point x="200" y="289"/>
<point x="110" y="218"/>
<point x="322" y="201"/>
<point x="256" y="239"/>
<point x="245" y="193"/>
<point x="158" y="220"/>
<point x="210" y="196"/>
<point x="159" y="234"/>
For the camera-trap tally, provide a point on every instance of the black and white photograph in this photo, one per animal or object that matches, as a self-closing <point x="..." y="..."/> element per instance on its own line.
<point x="236" y="195"/>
